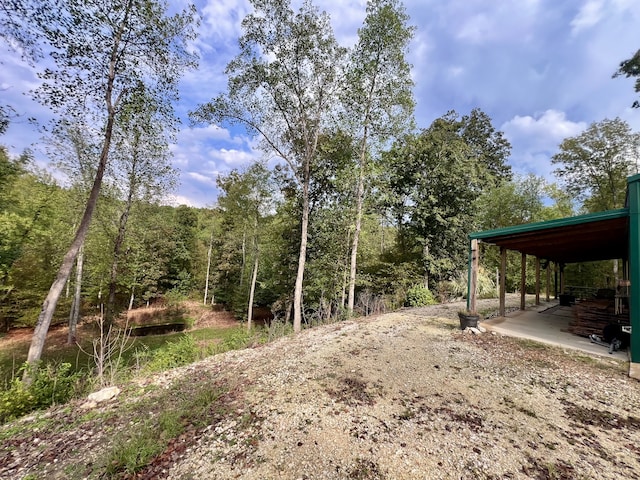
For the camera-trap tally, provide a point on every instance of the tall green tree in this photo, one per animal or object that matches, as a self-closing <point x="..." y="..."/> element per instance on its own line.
<point x="246" y="202"/>
<point x="435" y="180"/>
<point x="142" y="169"/>
<point x="593" y="166"/>
<point x="378" y="99"/>
<point x="138" y="44"/>
<point x="283" y="86"/>
<point x="631" y="68"/>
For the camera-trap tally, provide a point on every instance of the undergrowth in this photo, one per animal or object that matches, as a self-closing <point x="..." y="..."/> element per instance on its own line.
<point x="171" y="415"/>
<point x="51" y="384"/>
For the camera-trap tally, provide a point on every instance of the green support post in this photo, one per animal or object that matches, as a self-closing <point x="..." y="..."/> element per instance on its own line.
<point x="634" y="267"/>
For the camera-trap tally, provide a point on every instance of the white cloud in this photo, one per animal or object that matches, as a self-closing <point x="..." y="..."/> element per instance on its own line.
<point x="477" y="29"/>
<point x="536" y="138"/>
<point x="200" y="178"/>
<point x="589" y="15"/>
<point x="176" y="200"/>
<point x="234" y="158"/>
<point x="552" y="125"/>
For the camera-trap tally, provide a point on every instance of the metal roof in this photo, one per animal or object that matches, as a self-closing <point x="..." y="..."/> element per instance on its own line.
<point x="584" y="238"/>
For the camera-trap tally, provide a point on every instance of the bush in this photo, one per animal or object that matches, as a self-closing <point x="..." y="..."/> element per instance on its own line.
<point x="174" y="354"/>
<point x="419" y="296"/>
<point x="51" y="384"/>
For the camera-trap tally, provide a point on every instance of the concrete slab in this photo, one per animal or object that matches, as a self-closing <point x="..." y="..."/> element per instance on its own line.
<point x="547" y="323"/>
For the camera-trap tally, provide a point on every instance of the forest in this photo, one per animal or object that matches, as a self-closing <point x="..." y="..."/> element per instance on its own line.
<point x="364" y="212"/>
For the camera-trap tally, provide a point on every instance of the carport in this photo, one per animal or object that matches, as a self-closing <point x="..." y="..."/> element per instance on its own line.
<point x="609" y="235"/>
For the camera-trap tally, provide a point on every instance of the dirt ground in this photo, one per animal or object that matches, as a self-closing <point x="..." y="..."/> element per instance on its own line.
<point x="405" y="395"/>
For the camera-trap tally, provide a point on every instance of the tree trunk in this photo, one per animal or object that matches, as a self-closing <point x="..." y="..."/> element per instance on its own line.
<point x="117" y="250"/>
<point x="244" y="256"/>
<point x="75" y="308"/>
<point x="252" y="292"/>
<point x="354" y="244"/>
<point x="425" y="256"/>
<point x="122" y="231"/>
<point x="206" y="280"/>
<point x="51" y="301"/>
<point x="297" y="294"/>
<point x="131" y="298"/>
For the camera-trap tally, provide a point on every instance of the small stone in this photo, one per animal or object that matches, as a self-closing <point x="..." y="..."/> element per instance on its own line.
<point x="104" y="394"/>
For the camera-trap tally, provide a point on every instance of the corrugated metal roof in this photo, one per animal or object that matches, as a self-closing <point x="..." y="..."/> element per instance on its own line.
<point x="595" y="236"/>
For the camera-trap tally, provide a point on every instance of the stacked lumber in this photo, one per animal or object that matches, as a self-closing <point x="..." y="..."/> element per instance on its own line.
<point x="591" y="316"/>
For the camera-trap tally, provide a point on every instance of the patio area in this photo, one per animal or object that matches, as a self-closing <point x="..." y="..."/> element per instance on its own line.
<point x="548" y="323"/>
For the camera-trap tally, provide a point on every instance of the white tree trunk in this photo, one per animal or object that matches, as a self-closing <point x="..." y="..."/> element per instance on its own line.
<point x="206" y="281"/>
<point x="297" y="293"/>
<point x="74" y="317"/>
<point x="252" y="292"/>
<point x="131" y="298"/>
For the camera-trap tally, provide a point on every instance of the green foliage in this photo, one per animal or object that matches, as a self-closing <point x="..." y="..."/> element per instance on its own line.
<point x="434" y="181"/>
<point x="456" y="287"/>
<point x="631" y="68"/>
<point x="174" y="354"/>
<point x="51" y="384"/>
<point x="131" y="455"/>
<point x="173" y="412"/>
<point x="175" y="297"/>
<point x="419" y="296"/>
<point x="593" y="166"/>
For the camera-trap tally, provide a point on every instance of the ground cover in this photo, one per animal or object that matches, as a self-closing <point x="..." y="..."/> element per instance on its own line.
<point x="403" y="395"/>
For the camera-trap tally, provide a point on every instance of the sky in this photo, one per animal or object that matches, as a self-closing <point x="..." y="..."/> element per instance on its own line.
<point x="541" y="69"/>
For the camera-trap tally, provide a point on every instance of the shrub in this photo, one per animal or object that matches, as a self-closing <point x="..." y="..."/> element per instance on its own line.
<point x="51" y="384"/>
<point x="419" y="296"/>
<point x="174" y="354"/>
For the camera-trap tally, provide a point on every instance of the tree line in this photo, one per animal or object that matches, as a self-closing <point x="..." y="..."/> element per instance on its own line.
<point x="363" y="207"/>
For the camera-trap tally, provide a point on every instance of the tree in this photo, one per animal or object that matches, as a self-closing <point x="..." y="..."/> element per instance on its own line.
<point x="594" y="165"/>
<point x="137" y="44"/>
<point x="512" y="203"/>
<point x="631" y="68"/>
<point x="143" y="170"/>
<point x="245" y="202"/>
<point x="435" y="180"/>
<point x="378" y="101"/>
<point x="283" y="87"/>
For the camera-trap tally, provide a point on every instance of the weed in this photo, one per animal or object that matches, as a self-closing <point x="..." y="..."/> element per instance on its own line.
<point x="50" y="384"/>
<point x="365" y="470"/>
<point x="179" y="409"/>
<point x="173" y="354"/>
<point x="131" y="454"/>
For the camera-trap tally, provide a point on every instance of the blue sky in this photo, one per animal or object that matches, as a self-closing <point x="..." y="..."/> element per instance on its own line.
<point x="541" y="69"/>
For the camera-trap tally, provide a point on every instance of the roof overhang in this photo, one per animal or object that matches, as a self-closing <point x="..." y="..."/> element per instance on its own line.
<point x="584" y="238"/>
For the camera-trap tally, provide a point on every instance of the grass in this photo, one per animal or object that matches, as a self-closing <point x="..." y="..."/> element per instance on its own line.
<point x="185" y="407"/>
<point x="14" y="355"/>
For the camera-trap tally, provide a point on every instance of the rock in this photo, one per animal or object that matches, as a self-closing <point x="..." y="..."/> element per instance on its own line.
<point x="474" y="330"/>
<point x="104" y="394"/>
<point x="88" y="405"/>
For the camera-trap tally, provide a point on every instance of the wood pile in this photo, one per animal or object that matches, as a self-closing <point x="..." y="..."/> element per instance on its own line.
<point x="591" y="316"/>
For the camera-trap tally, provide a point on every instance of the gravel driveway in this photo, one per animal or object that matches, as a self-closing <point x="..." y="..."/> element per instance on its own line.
<point x="405" y="395"/>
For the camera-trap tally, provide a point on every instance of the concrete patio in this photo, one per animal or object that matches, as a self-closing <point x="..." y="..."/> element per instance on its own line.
<point x="547" y="323"/>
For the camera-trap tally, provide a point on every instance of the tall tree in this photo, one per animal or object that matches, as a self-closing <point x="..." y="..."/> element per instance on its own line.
<point x="143" y="171"/>
<point x="593" y="166"/>
<point x="631" y="68"/>
<point x="435" y="179"/>
<point x="283" y="87"/>
<point x="378" y="101"/>
<point x="138" y="43"/>
<point x="245" y="202"/>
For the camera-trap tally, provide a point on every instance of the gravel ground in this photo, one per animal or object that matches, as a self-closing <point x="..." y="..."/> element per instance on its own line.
<point x="405" y="395"/>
